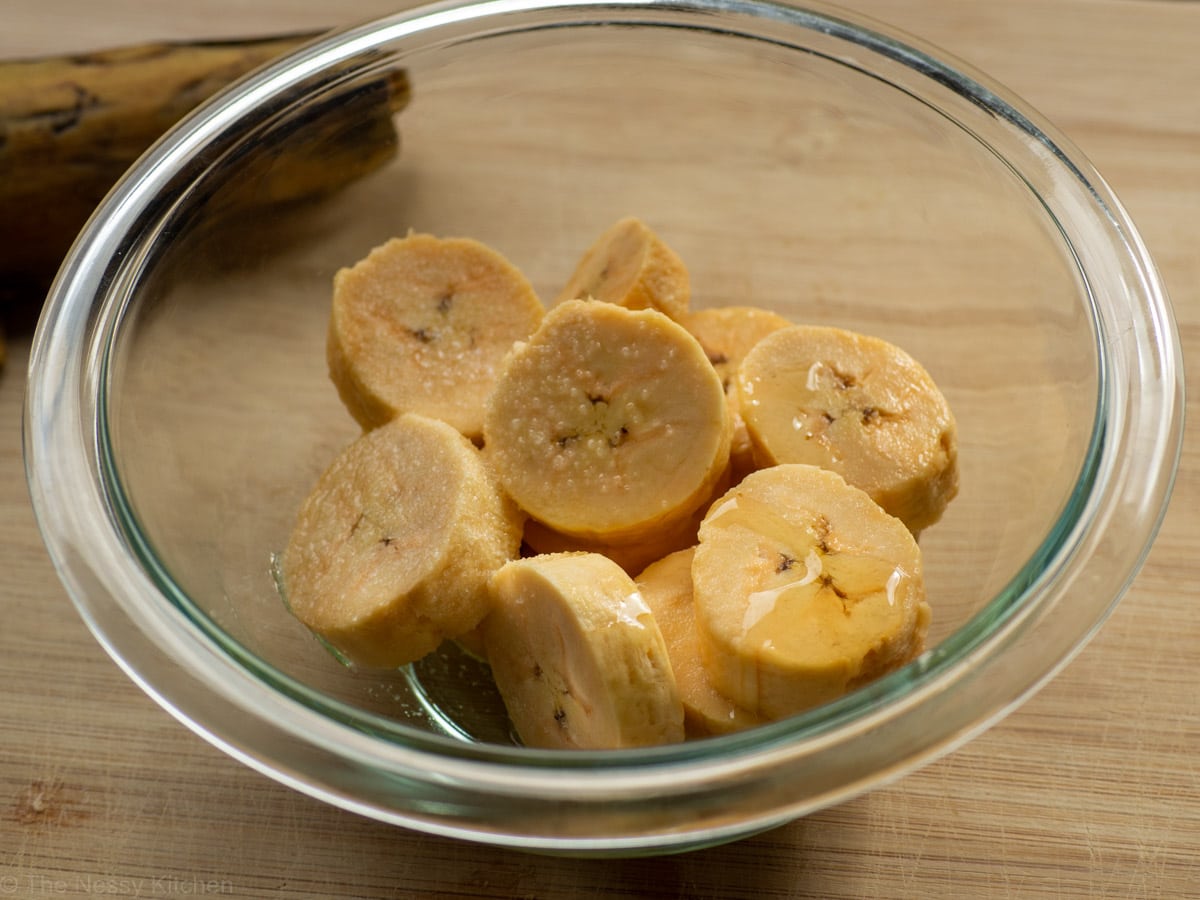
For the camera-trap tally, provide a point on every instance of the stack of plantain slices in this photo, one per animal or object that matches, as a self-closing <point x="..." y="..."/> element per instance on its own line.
<point x="653" y="523"/>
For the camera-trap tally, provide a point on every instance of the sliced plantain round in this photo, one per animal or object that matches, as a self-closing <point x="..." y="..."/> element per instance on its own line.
<point x="577" y="656"/>
<point x="631" y="266"/>
<point x="666" y="586"/>
<point x="727" y="334"/>
<point x="394" y="548"/>
<point x="857" y="405"/>
<point x="608" y="424"/>
<point x="804" y="589"/>
<point x="634" y="555"/>
<point x="421" y="325"/>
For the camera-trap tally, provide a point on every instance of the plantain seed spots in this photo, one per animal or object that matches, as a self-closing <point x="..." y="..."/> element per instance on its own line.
<point x="618" y="438"/>
<point x="785" y="563"/>
<point x="444" y="302"/>
<point x="387" y="540"/>
<point x="537" y="672"/>
<point x="827" y="582"/>
<point x="844" y="379"/>
<point x="424" y="335"/>
<point x="828" y="417"/>
<point x="563" y="440"/>
<point x="823" y="528"/>
<point x="596" y="399"/>
<point x="560" y="716"/>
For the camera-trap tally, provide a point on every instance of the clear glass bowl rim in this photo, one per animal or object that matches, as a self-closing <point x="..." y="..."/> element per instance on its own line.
<point x="1126" y="479"/>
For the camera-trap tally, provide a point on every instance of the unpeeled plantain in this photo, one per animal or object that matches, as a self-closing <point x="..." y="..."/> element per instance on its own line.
<point x="71" y="125"/>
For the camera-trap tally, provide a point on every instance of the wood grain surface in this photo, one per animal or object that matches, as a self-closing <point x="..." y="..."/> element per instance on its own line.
<point x="1090" y="790"/>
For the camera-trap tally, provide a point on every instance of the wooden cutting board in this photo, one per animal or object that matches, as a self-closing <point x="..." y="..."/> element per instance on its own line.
<point x="1092" y="789"/>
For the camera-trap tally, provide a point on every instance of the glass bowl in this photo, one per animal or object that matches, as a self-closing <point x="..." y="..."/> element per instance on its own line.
<point x="797" y="158"/>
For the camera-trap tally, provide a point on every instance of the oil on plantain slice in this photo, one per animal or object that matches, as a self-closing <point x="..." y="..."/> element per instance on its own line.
<point x="857" y="405"/>
<point x="666" y="586"/>
<point x="631" y="266"/>
<point x="804" y="589"/>
<point x="422" y="324"/>
<point x="727" y="334"/>
<point x="394" y="548"/>
<point x="608" y="424"/>
<point x="578" y="657"/>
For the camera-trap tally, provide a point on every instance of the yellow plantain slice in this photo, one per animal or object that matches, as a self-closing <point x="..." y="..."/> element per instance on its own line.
<point x="578" y="657"/>
<point x="395" y="546"/>
<point x="608" y="424"/>
<point x="421" y="325"/>
<point x="859" y="406"/>
<point x="804" y="589"/>
<point x="666" y="586"/>
<point x="631" y="266"/>
<point x="727" y="334"/>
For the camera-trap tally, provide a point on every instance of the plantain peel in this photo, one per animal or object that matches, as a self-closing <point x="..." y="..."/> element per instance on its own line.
<point x="70" y="126"/>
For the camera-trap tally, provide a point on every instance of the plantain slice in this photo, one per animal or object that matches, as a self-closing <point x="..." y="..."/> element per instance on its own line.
<point x="608" y="424"/>
<point x="631" y="266"/>
<point x="578" y="657"/>
<point x="393" y="550"/>
<point x="859" y="406"/>
<point x="804" y="589"/>
<point x="422" y="324"/>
